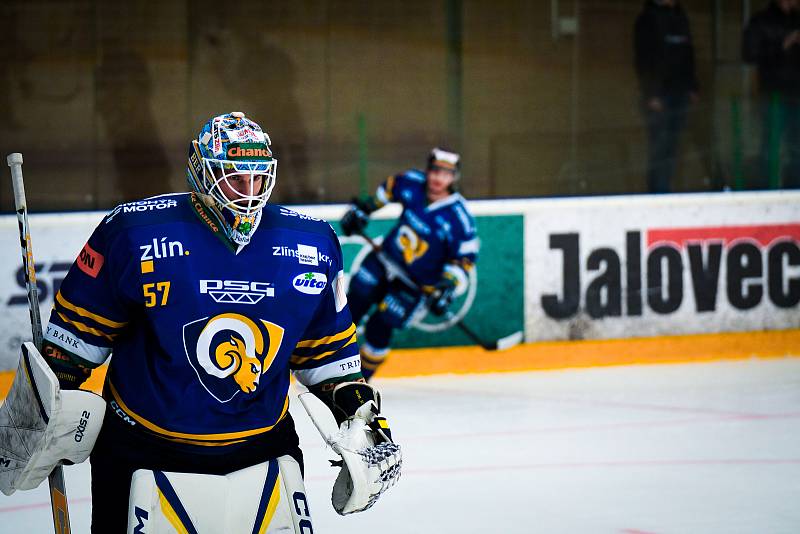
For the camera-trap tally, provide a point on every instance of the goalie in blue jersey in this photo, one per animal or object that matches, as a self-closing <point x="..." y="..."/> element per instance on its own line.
<point x="423" y="260"/>
<point x="207" y="300"/>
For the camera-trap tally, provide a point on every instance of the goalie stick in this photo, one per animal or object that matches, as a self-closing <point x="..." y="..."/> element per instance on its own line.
<point x="395" y="271"/>
<point x="58" y="490"/>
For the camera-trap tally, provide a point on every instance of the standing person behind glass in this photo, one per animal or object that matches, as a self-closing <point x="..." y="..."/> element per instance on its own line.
<point x="771" y="41"/>
<point x="664" y="61"/>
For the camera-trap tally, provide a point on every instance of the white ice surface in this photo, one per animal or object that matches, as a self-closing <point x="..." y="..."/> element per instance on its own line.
<point x="660" y="449"/>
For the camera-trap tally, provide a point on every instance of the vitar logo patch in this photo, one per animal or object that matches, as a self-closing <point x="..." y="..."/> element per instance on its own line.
<point x="310" y="283"/>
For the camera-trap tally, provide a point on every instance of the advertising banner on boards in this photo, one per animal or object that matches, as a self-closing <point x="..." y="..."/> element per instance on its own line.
<point x="492" y="304"/>
<point x="570" y="268"/>
<point x="662" y="265"/>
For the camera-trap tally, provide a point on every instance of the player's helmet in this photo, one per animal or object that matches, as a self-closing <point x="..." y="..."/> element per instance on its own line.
<point x="442" y="158"/>
<point x="228" y="145"/>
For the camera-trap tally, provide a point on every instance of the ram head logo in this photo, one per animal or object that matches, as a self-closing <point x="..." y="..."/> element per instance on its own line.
<point x="246" y="369"/>
<point x="231" y="352"/>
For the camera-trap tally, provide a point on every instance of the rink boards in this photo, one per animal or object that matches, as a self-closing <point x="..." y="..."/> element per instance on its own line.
<point x="566" y="354"/>
<point x="592" y="268"/>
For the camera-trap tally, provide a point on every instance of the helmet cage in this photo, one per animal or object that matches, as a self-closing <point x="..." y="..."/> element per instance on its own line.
<point x="213" y="174"/>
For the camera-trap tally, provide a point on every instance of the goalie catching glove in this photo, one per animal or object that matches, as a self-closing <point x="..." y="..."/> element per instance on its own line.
<point x="42" y="426"/>
<point x="371" y="461"/>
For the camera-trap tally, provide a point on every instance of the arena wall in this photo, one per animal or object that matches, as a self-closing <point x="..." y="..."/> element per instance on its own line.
<point x="595" y="268"/>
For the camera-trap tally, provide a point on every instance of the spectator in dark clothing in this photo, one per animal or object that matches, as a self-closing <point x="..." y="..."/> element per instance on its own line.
<point x="665" y="66"/>
<point x="771" y="41"/>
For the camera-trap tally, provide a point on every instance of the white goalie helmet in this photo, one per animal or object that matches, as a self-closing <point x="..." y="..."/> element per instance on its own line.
<point x="445" y="159"/>
<point x="227" y="148"/>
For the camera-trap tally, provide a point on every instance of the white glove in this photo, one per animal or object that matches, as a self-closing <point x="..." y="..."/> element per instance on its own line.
<point x="371" y="462"/>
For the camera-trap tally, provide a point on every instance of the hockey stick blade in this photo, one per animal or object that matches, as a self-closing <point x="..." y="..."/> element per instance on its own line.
<point x="501" y="344"/>
<point x="509" y="341"/>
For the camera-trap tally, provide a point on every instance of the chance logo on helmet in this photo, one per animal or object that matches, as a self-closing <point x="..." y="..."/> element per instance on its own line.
<point x="232" y="168"/>
<point x="229" y="352"/>
<point x="249" y="151"/>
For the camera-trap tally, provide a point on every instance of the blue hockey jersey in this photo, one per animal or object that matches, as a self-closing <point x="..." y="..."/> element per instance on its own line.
<point x="202" y="337"/>
<point x="428" y="239"/>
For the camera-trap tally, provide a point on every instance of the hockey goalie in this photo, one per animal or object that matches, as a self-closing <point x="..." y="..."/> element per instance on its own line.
<point x="206" y="315"/>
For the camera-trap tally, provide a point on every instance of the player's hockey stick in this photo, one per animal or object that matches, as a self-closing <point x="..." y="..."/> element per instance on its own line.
<point x="58" y="490"/>
<point x="395" y="271"/>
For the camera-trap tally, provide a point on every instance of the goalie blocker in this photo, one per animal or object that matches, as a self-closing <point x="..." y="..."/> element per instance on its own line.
<point x="42" y="426"/>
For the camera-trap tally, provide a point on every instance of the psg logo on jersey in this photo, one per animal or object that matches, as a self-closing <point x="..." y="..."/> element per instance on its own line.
<point x="229" y="352"/>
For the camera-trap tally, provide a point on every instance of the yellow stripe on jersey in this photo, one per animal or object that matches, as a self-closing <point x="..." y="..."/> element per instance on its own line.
<point x="84" y="328"/>
<point x="299" y="360"/>
<point x="86" y="313"/>
<point x="326" y="340"/>
<point x="195" y="439"/>
<point x="204" y="443"/>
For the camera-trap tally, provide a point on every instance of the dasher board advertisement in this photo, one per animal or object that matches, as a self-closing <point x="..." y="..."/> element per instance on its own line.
<point x="631" y="266"/>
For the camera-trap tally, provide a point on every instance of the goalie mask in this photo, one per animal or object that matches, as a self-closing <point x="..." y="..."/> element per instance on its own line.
<point x="231" y="167"/>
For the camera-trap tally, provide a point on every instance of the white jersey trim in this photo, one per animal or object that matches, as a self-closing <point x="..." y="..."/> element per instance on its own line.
<point x="472" y="246"/>
<point x="180" y="193"/>
<point x="380" y="194"/>
<point x="61" y="337"/>
<point x="339" y="293"/>
<point x="347" y="366"/>
<point x="414" y="174"/>
<point x="454" y="197"/>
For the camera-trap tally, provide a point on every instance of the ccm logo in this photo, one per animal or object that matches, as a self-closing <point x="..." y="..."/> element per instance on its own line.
<point x="301" y="509"/>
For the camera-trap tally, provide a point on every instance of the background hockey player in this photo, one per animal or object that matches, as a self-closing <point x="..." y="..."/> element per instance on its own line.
<point x="205" y="320"/>
<point x="434" y="245"/>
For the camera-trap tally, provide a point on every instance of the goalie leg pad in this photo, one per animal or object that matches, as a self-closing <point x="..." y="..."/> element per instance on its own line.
<point x="41" y="426"/>
<point x="265" y="498"/>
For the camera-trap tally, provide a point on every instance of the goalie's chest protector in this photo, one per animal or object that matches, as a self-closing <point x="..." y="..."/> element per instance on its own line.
<point x="208" y="355"/>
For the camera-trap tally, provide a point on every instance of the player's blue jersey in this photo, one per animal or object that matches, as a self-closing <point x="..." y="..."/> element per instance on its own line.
<point x="202" y="337"/>
<point x="428" y="239"/>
